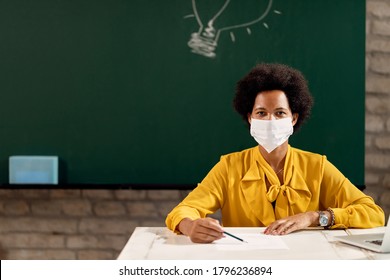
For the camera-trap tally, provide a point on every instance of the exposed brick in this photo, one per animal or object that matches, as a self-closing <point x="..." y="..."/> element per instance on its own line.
<point x="378" y="105"/>
<point x="63" y="193"/>
<point x="108" y="226"/>
<point x="388" y="125"/>
<point x="36" y="254"/>
<point x="383" y="142"/>
<point x="142" y="209"/>
<point x="385" y="199"/>
<point x="381" y="27"/>
<point x="153" y="223"/>
<point x="369" y="140"/>
<point x="33" y="224"/>
<point x="8" y="193"/>
<point x="379" y="9"/>
<point x="374" y="195"/>
<point x="98" y="194"/>
<point x="378" y="45"/>
<point x="378" y="161"/>
<point x="130" y="194"/>
<point x="372" y="178"/>
<point x="132" y="227"/>
<point x="165" y="207"/>
<point x="116" y="242"/>
<point x="184" y="193"/>
<point x="387" y="212"/>
<point x="15" y="207"/>
<point x="374" y="123"/>
<point x="46" y="208"/>
<point x="380" y="63"/>
<point x="28" y="240"/>
<point x="81" y="231"/>
<point x="77" y="207"/>
<point x="163" y="194"/>
<point x="96" y="255"/>
<point x="109" y="208"/>
<point x="367" y="63"/>
<point x="3" y="253"/>
<point x="82" y="241"/>
<point x="377" y="84"/>
<point x="40" y="193"/>
<point x="386" y="181"/>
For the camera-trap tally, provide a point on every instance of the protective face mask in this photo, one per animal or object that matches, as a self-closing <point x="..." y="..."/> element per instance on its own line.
<point x="271" y="133"/>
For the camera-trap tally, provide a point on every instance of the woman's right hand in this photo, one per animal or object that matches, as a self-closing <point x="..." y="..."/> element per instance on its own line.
<point x="203" y="230"/>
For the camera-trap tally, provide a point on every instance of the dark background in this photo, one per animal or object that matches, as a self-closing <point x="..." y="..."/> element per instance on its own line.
<point x="112" y="88"/>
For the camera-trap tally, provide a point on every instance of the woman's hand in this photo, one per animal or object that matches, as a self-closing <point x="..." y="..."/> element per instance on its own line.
<point x="203" y="230"/>
<point x="292" y="223"/>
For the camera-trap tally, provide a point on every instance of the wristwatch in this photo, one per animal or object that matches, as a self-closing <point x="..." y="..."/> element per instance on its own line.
<point x="323" y="220"/>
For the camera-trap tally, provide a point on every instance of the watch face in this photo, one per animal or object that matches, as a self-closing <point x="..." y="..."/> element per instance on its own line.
<point x="323" y="220"/>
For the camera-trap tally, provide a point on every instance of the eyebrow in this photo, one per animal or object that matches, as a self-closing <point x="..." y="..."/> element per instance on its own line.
<point x="276" y="109"/>
<point x="281" y="108"/>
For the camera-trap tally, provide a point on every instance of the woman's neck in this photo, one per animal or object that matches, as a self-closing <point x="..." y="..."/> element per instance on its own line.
<point x="277" y="157"/>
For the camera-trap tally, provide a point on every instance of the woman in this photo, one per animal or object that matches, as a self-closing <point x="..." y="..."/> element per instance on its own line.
<point x="273" y="185"/>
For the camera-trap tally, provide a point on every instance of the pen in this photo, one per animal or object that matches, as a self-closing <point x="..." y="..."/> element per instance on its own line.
<point x="231" y="235"/>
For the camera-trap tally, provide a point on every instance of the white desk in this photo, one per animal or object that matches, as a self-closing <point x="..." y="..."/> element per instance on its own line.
<point x="159" y="243"/>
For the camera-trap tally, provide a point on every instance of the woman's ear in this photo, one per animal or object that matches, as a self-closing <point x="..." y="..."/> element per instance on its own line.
<point x="295" y="118"/>
<point x="249" y="118"/>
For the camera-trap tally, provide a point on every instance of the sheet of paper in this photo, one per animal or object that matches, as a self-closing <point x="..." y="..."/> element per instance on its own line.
<point x="254" y="241"/>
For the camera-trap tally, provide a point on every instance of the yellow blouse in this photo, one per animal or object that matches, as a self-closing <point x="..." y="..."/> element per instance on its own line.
<point x="237" y="186"/>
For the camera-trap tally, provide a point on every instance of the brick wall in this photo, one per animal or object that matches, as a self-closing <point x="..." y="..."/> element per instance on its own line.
<point x="96" y="224"/>
<point x="77" y="224"/>
<point x="377" y="169"/>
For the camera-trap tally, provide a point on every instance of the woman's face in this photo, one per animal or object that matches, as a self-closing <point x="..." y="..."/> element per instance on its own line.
<point x="271" y="105"/>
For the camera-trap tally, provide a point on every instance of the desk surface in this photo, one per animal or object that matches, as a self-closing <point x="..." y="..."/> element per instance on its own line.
<point x="158" y="243"/>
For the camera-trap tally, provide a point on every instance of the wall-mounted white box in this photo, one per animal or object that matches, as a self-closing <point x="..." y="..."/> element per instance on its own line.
<point x="33" y="170"/>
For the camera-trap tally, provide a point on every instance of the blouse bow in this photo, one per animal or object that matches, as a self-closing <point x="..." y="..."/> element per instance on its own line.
<point x="276" y="190"/>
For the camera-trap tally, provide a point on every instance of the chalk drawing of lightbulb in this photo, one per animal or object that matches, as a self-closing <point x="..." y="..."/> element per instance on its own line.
<point x="215" y="17"/>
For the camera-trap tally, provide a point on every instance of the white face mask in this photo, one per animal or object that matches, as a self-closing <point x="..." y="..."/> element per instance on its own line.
<point x="271" y="133"/>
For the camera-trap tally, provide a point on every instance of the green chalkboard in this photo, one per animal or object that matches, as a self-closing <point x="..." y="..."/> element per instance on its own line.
<point x="123" y="92"/>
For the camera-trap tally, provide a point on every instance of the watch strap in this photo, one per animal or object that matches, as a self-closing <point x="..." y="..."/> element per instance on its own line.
<point x="332" y="218"/>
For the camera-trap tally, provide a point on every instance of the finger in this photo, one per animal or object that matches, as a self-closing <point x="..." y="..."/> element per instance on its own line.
<point x="279" y="227"/>
<point x="290" y="229"/>
<point x="213" y="225"/>
<point x="287" y="228"/>
<point x="270" y="228"/>
<point x="207" y="228"/>
<point x="205" y="235"/>
<point x="203" y="238"/>
<point x="275" y="227"/>
<point x="210" y="231"/>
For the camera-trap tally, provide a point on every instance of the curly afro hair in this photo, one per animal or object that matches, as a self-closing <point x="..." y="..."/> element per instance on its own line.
<point x="273" y="76"/>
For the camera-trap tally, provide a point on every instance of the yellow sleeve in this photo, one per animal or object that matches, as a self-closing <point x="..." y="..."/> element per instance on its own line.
<point x="204" y="200"/>
<point x="352" y="208"/>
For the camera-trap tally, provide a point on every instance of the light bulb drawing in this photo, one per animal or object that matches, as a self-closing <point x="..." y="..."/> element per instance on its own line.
<point x="215" y="17"/>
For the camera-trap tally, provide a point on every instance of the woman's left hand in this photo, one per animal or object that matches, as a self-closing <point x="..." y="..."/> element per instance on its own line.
<point x="292" y="223"/>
